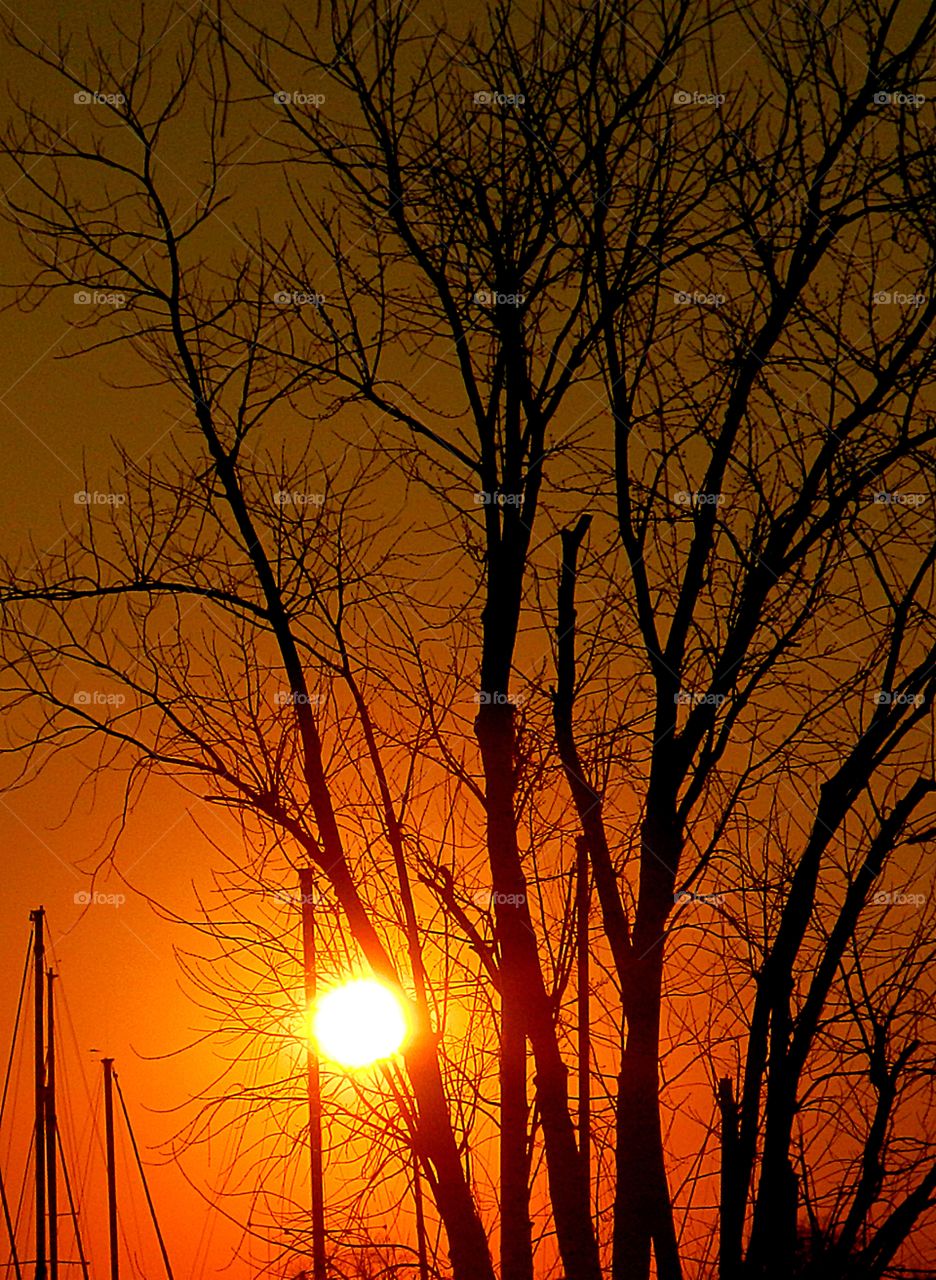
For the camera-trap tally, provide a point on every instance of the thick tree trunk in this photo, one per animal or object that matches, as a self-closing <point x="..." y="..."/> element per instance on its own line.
<point x="643" y="1211"/>
<point x="524" y="995"/>
<point x="495" y="737"/>
<point x="731" y="1194"/>
<point x="467" y="1242"/>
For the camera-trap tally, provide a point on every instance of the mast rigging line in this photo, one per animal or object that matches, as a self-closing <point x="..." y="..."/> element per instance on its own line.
<point x="19" y="1011"/>
<point x="149" y="1198"/>
<point x="71" y="1205"/>
<point x="14" y="1256"/>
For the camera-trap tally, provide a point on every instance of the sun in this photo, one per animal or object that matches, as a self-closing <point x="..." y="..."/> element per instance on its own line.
<point x="360" y="1022"/>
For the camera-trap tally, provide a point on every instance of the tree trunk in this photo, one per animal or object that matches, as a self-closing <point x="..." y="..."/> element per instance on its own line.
<point x="524" y="995"/>
<point x="643" y="1211"/>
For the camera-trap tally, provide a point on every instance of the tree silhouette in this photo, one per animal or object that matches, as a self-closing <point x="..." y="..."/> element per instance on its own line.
<point x="639" y="374"/>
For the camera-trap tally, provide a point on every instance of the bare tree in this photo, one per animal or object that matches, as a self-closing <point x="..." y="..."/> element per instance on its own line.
<point x="592" y="309"/>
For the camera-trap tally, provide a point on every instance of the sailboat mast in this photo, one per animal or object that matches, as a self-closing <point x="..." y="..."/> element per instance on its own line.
<point x="51" y="1130"/>
<point x="307" y="899"/>
<point x="38" y="920"/>
<point x="108" y="1064"/>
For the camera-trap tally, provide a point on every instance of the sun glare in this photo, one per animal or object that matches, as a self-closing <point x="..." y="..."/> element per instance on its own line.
<point x="358" y="1023"/>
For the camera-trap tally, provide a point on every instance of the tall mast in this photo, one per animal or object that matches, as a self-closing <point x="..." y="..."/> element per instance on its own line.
<point x="51" y="1130"/>
<point x="38" y="919"/>
<point x="108" y="1064"/>
<point x="307" y="901"/>
<point x="582" y="896"/>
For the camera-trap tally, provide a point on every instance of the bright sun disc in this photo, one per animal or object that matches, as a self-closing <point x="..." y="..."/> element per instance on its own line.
<point x="358" y="1023"/>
